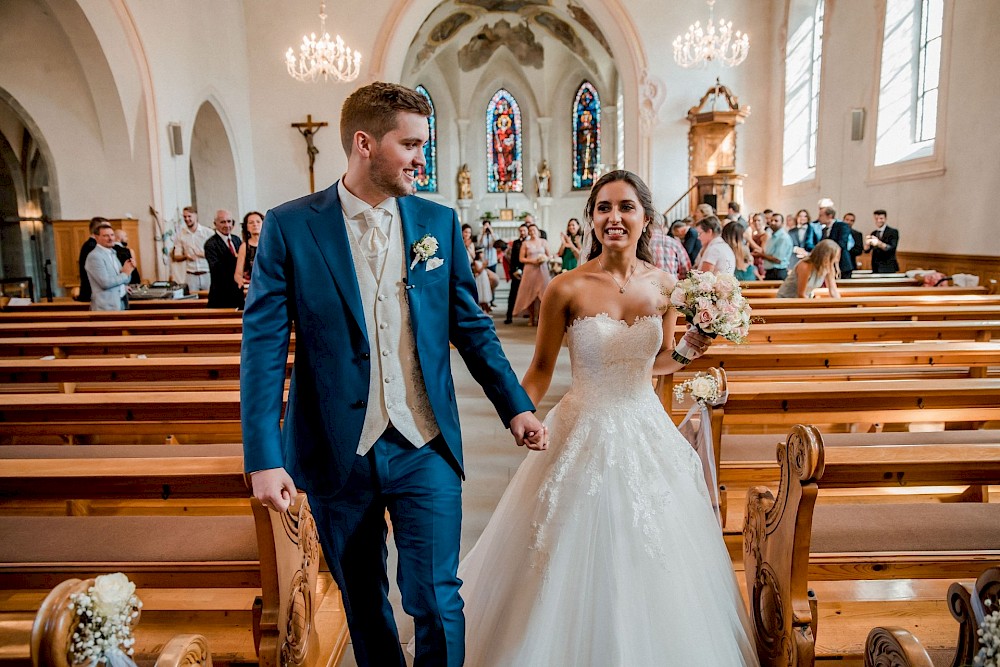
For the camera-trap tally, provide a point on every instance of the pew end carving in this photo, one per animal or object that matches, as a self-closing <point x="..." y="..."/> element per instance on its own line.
<point x="894" y="647"/>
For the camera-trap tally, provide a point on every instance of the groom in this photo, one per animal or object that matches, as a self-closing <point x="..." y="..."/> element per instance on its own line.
<point x="376" y="283"/>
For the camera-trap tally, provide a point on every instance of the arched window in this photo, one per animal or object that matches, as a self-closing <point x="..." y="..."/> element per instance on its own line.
<point x="803" y="65"/>
<point x="426" y="179"/>
<point x="908" y="84"/>
<point x="503" y="144"/>
<point x="586" y="135"/>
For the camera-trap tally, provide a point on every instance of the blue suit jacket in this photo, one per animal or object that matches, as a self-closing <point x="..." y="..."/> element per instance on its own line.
<point x="840" y="233"/>
<point x="304" y="275"/>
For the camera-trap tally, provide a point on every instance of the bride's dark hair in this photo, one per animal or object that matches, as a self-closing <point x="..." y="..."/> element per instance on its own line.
<point x="642" y="251"/>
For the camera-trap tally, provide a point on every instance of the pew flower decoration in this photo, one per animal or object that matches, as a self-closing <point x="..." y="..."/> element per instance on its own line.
<point x="703" y="388"/>
<point x="714" y="305"/>
<point x="105" y="615"/>
<point x="989" y="639"/>
<point x="423" y="249"/>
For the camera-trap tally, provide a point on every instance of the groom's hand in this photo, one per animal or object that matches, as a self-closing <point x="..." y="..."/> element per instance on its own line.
<point x="527" y="430"/>
<point x="274" y="488"/>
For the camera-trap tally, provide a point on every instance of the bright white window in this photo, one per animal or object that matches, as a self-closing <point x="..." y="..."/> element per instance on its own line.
<point x="803" y="65"/>
<point x="908" y="84"/>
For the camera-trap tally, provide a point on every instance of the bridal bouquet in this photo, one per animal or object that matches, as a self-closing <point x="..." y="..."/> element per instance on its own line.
<point x="703" y="388"/>
<point x="714" y="305"/>
<point x="989" y="638"/>
<point x="105" y="615"/>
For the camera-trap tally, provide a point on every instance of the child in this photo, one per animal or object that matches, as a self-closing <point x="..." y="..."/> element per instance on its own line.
<point x="485" y="291"/>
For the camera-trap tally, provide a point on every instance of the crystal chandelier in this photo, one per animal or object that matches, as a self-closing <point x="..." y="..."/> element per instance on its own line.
<point x="699" y="45"/>
<point x="324" y="57"/>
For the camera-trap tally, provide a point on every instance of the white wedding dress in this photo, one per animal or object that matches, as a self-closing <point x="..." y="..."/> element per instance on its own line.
<point x="604" y="550"/>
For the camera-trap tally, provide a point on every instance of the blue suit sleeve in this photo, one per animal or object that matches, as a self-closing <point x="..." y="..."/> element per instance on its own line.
<point x="267" y="323"/>
<point x="472" y="333"/>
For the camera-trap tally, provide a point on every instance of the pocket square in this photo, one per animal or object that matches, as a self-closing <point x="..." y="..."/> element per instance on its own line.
<point x="433" y="263"/>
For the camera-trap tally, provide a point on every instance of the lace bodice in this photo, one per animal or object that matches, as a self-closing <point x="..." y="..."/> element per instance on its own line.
<point x="612" y="357"/>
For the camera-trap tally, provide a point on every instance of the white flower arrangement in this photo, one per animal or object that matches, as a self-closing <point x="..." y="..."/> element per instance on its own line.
<point x="423" y="249"/>
<point x="703" y="388"/>
<point x="989" y="639"/>
<point x="105" y="614"/>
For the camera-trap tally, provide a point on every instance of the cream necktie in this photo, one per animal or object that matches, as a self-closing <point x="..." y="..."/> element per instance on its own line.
<point x="373" y="241"/>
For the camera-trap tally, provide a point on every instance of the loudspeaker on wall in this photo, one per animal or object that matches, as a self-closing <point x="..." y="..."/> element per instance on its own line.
<point x="857" y="124"/>
<point x="176" y="139"/>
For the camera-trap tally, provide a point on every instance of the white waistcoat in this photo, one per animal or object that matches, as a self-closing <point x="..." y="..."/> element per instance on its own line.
<point x="396" y="391"/>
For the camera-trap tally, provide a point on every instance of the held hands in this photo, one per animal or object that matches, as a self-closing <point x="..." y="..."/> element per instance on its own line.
<point x="274" y="488"/>
<point x="528" y="431"/>
<point x="801" y="253"/>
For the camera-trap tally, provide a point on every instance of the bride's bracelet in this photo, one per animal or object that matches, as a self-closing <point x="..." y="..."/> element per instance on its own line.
<point x="679" y="358"/>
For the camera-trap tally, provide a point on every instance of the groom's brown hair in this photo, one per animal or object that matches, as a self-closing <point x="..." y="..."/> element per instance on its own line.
<point x="372" y="109"/>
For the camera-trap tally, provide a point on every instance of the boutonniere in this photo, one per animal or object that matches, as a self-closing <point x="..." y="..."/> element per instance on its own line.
<point x="423" y="249"/>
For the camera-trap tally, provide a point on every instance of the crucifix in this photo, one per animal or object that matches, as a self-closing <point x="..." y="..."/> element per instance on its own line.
<point x="308" y="129"/>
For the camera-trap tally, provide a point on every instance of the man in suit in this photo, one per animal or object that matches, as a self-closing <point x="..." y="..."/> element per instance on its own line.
<point x="108" y="277"/>
<point x="85" y="250"/>
<point x="838" y="232"/>
<point x="857" y="239"/>
<point x="882" y="245"/>
<point x="516" y="269"/>
<point x="124" y="254"/>
<point x="221" y="250"/>
<point x="376" y="283"/>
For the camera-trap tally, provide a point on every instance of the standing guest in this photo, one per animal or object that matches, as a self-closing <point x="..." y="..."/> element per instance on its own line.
<point x="189" y="247"/>
<point x="516" y="270"/>
<point x="804" y="237"/>
<point x="85" y="250"/>
<point x="108" y="277"/>
<point x="535" y="261"/>
<point x="123" y="253"/>
<point x="838" y="232"/>
<point x="716" y="255"/>
<point x="668" y="253"/>
<point x="857" y="240"/>
<point x="821" y="265"/>
<point x="529" y="219"/>
<point x="501" y="247"/>
<point x="221" y="251"/>
<point x="572" y="242"/>
<point x="702" y="211"/>
<point x="487" y="241"/>
<point x="882" y="245"/>
<point x="252" y="223"/>
<point x="778" y="251"/>
<point x="371" y="423"/>
<point x="757" y="236"/>
<point x="734" y="235"/>
<point x="767" y="215"/>
<point x="470" y="245"/>
<point x="734" y="214"/>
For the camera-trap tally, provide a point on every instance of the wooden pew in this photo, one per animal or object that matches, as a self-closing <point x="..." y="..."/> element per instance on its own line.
<point x="844" y="332"/>
<point x="106" y="346"/>
<point x="120" y="327"/>
<point x="852" y="291"/>
<point x="790" y="541"/>
<point x="141" y="304"/>
<point x="276" y="553"/>
<point x="867" y="280"/>
<point x="31" y="316"/>
<point x="876" y="313"/>
<point x="925" y="298"/>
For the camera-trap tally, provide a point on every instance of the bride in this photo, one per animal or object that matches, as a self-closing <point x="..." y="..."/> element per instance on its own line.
<point x="605" y="551"/>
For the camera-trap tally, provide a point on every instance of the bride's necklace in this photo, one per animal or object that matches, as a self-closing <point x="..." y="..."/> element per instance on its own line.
<point x="621" y="286"/>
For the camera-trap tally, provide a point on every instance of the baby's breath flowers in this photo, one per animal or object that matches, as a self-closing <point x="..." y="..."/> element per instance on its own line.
<point x="105" y="615"/>
<point x="989" y="640"/>
<point x="704" y="389"/>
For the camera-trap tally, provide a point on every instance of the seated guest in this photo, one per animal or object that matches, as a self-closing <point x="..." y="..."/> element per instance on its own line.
<point x="734" y="235"/>
<point x="856" y="238"/>
<point x="108" y="277"/>
<point x="88" y="246"/>
<point x="221" y="250"/>
<point x="668" y="253"/>
<point x="716" y="255"/>
<point x="822" y="265"/>
<point x="124" y="253"/>
<point x="684" y="231"/>
<point x="882" y="245"/>
<point x="778" y="251"/>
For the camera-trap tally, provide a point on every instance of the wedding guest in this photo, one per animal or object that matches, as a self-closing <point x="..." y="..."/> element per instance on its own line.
<point x="684" y="231"/>
<point x="470" y="245"/>
<point x="882" y="245"/>
<point x="734" y="213"/>
<point x="535" y="260"/>
<point x="716" y="255"/>
<point x="123" y="252"/>
<point x="85" y="250"/>
<point x="668" y="253"/>
<point x="857" y="240"/>
<point x="838" y="232"/>
<point x="757" y="236"/>
<point x="484" y="290"/>
<point x="778" y="251"/>
<point x="572" y="241"/>
<point x="516" y="270"/>
<point x="221" y="250"/>
<point x="252" y="223"/>
<point x="804" y="237"/>
<point x="821" y="265"/>
<point x="487" y="240"/>
<point x="733" y="235"/>
<point x="189" y="249"/>
<point x="108" y="277"/>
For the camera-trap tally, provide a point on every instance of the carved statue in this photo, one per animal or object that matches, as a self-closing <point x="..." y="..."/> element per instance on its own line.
<point x="543" y="180"/>
<point x="464" y="183"/>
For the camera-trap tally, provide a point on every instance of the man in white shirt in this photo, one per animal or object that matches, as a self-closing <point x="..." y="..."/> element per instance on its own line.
<point x="189" y="248"/>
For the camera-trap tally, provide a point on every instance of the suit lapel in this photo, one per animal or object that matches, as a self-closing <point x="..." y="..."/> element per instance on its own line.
<point x="326" y="223"/>
<point x="414" y="227"/>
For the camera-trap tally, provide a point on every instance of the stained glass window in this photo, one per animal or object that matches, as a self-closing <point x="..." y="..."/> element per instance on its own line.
<point x="586" y="136"/>
<point x="426" y="179"/>
<point x="503" y="144"/>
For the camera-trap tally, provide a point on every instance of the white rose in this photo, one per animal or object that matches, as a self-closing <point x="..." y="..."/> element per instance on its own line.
<point x="702" y="387"/>
<point x="111" y="592"/>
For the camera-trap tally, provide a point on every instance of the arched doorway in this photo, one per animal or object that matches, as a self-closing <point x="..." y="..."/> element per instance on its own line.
<point x="213" y="168"/>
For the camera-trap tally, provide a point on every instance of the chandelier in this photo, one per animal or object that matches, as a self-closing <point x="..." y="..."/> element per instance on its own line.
<point x="324" y="57"/>
<point x="699" y="45"/>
